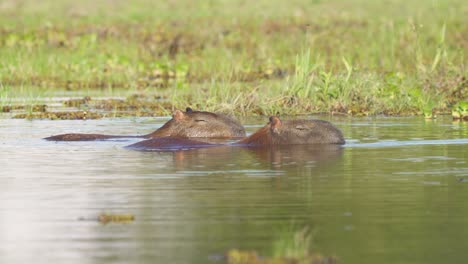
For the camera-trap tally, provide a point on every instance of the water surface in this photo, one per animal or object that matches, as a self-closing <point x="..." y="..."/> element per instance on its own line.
<point x="396" y="193"/>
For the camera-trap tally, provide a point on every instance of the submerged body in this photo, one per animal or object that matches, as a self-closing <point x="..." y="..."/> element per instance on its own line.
<point x="189" y="124"/>
<point x="274" y="133"/>
<point x="170" y="144"/>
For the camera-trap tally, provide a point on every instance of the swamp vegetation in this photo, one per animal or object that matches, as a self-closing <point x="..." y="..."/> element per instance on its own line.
<point x="245" y="58"/>
<point x="394" y="193"/>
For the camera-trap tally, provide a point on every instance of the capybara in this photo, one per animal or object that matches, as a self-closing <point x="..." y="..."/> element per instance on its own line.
<point x="275" y="133"/>
<point x="290" y="132"/>
<point x="189" y="124"/>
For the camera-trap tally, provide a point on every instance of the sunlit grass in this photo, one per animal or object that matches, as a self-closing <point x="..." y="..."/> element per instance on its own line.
<point x="292" y="245"/>
<point x="266" y="57"/>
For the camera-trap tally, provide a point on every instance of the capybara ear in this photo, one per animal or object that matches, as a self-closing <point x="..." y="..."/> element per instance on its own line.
<point x="178" y="115"/>
<point x="188" y="110"/>
<point x="275" y="123"/>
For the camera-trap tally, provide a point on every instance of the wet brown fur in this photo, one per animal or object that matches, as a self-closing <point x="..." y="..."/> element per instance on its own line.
<point x="275" y="133"/>
<point x="183" y="124"/>
<point x="278" y="132"/>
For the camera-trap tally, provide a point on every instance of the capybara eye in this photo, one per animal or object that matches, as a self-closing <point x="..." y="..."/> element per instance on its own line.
<point x="200" y="120"/>
<point x="300" y="128"/>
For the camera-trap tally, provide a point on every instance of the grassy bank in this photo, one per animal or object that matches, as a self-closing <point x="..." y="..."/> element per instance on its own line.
<point x="352" y="57"/>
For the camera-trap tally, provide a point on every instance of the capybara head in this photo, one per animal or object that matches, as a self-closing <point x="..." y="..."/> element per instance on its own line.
<point x="199" y="124"/>
<point x="278" y="132"/>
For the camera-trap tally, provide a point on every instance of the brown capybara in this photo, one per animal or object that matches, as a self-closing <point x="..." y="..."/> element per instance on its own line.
<point x="189" y="124"/>
<point x="291" y="132"/>
<point x="275" y="133"/>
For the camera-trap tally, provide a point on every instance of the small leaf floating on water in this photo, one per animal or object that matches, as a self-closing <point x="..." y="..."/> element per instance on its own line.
<point x="116" y="218"/>
<point x="107" y="218"/>
<point x="235" y="256"/>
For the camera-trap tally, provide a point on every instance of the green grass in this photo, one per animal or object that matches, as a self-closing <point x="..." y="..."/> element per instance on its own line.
<point x="291" y="57"/>
<point x="293" y="243"/>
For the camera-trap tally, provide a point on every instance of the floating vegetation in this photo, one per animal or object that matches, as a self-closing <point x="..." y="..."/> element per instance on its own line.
<point x="110" y="218"/>
<point x="137" y="114"/>
<point x="30" y="108"/>
<point x="292" y="247"/>
<point x="235" y="256"/>
<point x="77" y="102"/>
<point x="137" y="105"/>
<point x="79" y="115"/>
<point x="116" y="218"/>
<point x="460" y="111"/>
<point x="293" y="243"/>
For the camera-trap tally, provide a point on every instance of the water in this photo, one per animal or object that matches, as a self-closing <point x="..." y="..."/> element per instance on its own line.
<point x="396" y="193"/>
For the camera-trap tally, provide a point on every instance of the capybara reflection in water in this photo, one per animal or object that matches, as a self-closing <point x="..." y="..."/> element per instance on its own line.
<point x="275" y="133"/>
<point x="189" y="124"/>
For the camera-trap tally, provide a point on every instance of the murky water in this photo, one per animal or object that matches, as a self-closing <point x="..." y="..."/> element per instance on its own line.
<point x="396" y="193"/>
